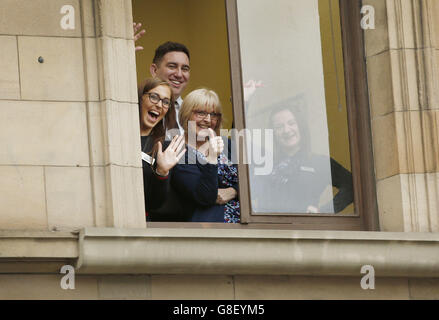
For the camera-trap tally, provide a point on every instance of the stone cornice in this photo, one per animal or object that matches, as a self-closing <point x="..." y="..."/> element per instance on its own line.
<point x="36" y="251"/>
<point x="263" y="252"/>
<point x="221" y="252"/>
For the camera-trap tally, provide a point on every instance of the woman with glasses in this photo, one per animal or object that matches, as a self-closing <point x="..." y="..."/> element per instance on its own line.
<point x="207" y="182"/>
<point x="156" y="113"/>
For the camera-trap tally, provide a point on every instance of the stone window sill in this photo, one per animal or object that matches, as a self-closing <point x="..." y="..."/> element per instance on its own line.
<point x="221" y="252"/>
<point x="257" y="252"/>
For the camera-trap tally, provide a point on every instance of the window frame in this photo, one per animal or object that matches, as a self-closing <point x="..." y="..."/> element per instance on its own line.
<point x="358" y="123"/>
<point x="359" y="137"/>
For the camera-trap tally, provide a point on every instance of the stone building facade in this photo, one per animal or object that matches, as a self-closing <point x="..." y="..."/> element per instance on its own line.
<point x="71" y="188"/>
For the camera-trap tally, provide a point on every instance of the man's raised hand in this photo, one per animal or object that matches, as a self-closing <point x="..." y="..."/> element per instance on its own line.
<point x="138" y="34"/>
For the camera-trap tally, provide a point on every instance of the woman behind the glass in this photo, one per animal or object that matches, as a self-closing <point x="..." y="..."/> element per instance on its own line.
<point x="300" y="176"/>
<point x="156" y="113"/>
<point x="207" y="181"/>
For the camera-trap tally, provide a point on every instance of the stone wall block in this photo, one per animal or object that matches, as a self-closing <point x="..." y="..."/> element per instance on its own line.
<point x="420" y="202"/>
<point x="377" y="40"/>
<point x="434" y="16"/>
<point x="9" y="76"/>
<point x="96" y="140"/>
<point x="290" y="287"/>
<point x="192" y="287"/>
<point x="42" y="287"/>
<point x="418" y="141"/>
<point x="37" y="18"/>
<point x="124" y="287"/>
<point x="125" y="204"/>
<point x="432" y="78"/>
<point x="60" y="77"/>
<point x="69" y="198"/>
<point x="91" y="64"/>
<point x="89" y="18"/>
<point x="122" y="133"/>
<point x="115" y="19"/>
<point x="385" y="146"/>
<point x="431" y="183"/>
<point x="22" y="198"/>
<point x="390" y="207"/>
<point x="422" y="80"/>
<point x="405" y="80"/>
<point x="401" y="22"/>
<point x="119" y="65"/>
<point x="406" y="142"/>
<point x="43" y="133"/>
<point x="424" y="289"/>
<point x="100" y="198"/>
<point x="413" y="33"/>
<point x="380" y="84"/>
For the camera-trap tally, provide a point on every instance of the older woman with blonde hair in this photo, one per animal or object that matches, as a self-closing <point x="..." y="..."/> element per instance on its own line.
<point x="207" y="181"/>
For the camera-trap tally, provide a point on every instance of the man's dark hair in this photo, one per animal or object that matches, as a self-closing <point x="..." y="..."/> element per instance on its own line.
<point x="169" y="47"/>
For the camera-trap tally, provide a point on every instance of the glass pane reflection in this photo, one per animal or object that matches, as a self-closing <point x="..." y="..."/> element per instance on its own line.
<point x="284" y="90"/>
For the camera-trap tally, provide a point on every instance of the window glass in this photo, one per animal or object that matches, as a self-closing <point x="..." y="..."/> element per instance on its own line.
<point x="201" y="26"/>
<point x="292" y="69"/>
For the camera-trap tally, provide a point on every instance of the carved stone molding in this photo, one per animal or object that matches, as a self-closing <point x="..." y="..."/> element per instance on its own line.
<point x="253" y="252"/>
<point x="412" y="27"/>
<point x="413" y="117"/>
<point x="113" y="123"/>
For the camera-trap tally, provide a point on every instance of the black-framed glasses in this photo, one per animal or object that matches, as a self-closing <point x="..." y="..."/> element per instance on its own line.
<point x="155" y="98"/>
<point x="203" y="115"/>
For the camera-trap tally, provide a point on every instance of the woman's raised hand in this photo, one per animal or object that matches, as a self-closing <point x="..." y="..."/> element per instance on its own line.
<point x="250" y="88"/>
<point x="312" y="209"/>
<point x="216" y="146"/>
<point x="167" y="159"/>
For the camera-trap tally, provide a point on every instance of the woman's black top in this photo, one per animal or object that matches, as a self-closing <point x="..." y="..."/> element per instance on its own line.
<point x="299" y="181"/>
<point x="162" y="204"/>
<point x="155" y="187"/>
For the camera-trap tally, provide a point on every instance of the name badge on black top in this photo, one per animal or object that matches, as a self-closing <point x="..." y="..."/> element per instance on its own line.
<point x="148" y="159"/>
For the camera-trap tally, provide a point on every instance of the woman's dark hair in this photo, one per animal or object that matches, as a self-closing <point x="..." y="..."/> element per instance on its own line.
<point x="300" y="116"/>
<point x="168" y="121"/>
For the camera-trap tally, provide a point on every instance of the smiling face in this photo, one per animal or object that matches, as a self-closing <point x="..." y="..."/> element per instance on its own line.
<point x="203" y="122"/>
<point x="173" y="68"/>
<point x="286" y="129"/>
<point x="153" y="113"/>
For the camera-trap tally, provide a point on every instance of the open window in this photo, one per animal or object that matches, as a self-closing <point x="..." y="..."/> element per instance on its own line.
<point x="281" y="64"/>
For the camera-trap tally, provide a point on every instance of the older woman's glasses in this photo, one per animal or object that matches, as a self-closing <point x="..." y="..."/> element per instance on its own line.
<point x="155" y="98"/>
<point x="203" y="115"/>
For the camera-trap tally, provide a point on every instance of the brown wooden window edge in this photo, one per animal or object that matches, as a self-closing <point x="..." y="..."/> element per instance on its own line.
<point x="359" y="138"/>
